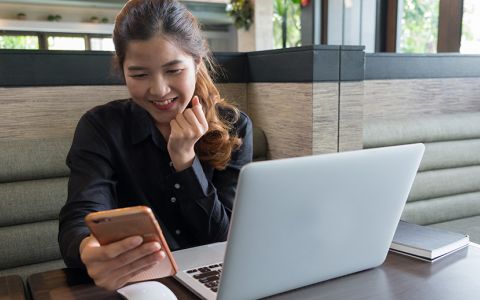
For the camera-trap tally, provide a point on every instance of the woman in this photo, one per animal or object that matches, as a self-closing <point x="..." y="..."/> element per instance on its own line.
<point x="175" y="146"/>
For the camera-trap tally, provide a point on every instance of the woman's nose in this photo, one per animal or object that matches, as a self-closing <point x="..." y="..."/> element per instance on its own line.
<point x="159" y="87"/>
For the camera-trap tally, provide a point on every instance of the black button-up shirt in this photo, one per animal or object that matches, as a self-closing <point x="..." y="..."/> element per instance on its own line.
<point x="119" y="158"/>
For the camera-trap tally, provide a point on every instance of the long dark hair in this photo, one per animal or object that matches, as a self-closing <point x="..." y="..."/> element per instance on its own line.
<point x="144" y="19"/>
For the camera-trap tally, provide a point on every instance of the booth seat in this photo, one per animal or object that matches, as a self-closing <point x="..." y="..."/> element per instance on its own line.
<point x="446" y="190"/>
<point x="33" y="188"/>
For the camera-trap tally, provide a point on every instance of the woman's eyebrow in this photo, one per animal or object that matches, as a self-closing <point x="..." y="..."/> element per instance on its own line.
<point x="136" y="68"/>
<point x="173" y="62"/>
<point x="168" y="64"/>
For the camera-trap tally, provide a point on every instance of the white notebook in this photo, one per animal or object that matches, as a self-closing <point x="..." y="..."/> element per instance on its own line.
<point x="426" y="243"/>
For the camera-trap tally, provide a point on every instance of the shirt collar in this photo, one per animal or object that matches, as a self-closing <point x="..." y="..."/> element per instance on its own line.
<point x="143" y="126"/>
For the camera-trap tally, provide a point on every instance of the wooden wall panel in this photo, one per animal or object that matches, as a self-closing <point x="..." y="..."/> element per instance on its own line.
<point x="234" y="93"/>
<point x="43" y="112"/>
<point x="387" y="99"/>
<point x="284" y="112"/>
<point x="325" y="117"/>
<point x="30" y="112"/>
<point x="351" y="116"/>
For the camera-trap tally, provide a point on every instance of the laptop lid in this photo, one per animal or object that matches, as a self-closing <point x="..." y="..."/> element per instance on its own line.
<point x="299" y="221"/>
<point x="303" y="220"/>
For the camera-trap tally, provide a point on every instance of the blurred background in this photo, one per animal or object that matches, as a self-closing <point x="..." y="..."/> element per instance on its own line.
<point x="401" y="26"/>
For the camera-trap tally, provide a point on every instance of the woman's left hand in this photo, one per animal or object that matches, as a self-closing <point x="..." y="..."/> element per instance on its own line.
<point x="186" y="129"/>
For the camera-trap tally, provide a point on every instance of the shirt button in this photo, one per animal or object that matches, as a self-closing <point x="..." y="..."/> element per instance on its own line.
<point x="177" y="232"/>
<point x="176" y="186"/>
<point x="173" y="199"/>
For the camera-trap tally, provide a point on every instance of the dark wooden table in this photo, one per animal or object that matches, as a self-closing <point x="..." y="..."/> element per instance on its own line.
<point x="400" y="277"/>
<point x="72" y="284"/>
<point x="11" y="288"/>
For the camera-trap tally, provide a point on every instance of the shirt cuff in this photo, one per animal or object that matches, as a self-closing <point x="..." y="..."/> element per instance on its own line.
<point x="191" y="182"/>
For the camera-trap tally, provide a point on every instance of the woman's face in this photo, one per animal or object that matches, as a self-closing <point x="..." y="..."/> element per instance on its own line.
<point x="160" y="78"/>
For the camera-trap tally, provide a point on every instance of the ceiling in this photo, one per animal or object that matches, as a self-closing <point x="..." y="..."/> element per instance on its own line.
<point x="207" y="11"/>
<point x="106" y="3"/>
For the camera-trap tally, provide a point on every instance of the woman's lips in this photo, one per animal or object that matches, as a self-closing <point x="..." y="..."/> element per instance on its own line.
<point x="164" y="104"/>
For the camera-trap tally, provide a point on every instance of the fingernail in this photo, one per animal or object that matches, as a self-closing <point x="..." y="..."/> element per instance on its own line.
<point x="156" y="246"/>
<point x="137" y="240"/>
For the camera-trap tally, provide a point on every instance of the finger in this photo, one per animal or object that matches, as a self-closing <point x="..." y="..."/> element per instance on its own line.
<point x="127" y="258"/>
<point x="198" y="111"/>
<point x="182" y="123"/>
<point x="125" y="279"/>
<point x="195" y="101"/>
<point x="115" y="249"/>
<point x="135" y="254"/>
<point x="193" y="121"/>
<point x="134" y="267"/>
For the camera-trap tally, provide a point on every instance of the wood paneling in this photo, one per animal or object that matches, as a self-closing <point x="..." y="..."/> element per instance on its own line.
<point x="325" y="117"/>
<point x="33" y="112"/>
<point x="284" y="112"/>
<point x="398" y="99"/>
<point x="298" y="118"/>
<point x="44" y="112"/>
<point x="235" y="93"/>
<point x="351" y="116"/>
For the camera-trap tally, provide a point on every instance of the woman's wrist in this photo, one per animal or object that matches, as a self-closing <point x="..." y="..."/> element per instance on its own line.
<point x="182" y="162"/>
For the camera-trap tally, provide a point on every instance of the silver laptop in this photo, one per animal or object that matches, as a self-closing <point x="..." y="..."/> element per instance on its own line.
<point x="299" y="221"/>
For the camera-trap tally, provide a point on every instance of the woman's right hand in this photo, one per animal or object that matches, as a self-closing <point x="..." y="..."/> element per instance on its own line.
<point x="111" y="266"/>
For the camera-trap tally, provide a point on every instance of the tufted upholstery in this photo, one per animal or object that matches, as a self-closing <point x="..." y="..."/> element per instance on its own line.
<point x="446" y="191"/>
<point x="33" y="188"/>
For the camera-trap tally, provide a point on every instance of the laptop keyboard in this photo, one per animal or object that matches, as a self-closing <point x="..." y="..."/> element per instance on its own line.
<point x="207" y="275"/>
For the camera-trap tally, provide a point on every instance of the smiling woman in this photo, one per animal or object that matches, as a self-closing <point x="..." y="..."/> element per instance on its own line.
<point x="162" y="85"/>
<point x="175" y="146"/>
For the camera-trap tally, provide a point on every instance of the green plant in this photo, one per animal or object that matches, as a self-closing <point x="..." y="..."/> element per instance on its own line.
<point x="242" y="13"/>
<point x="419" y="26"/>
<point x="286" y="23"/>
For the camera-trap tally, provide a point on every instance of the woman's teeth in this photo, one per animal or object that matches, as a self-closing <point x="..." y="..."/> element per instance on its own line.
<point x="164" y="102"/>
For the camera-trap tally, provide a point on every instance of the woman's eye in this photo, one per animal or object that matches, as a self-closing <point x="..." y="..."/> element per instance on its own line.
<point x="174" y="71"/>
<point x="138" y="75"/>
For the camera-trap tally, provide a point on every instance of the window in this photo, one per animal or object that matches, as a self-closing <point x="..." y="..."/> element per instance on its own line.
<point x="55" y="41"/>
<point x="470" y="41"/>
<point x="65" y="43"/>
<point x="417" y="29"/>
<point x="19" y="41"/>
<point x="101" y="43"/>
<point x="286" y="23"/>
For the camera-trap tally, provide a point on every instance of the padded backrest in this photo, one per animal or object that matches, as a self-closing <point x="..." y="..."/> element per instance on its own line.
<point x="447" y="186"/>
<point x="259" y="144"/>
<point x="33" y="187"/>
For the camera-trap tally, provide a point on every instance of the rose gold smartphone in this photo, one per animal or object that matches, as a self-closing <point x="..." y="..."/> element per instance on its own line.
<point x="117" y="224"/>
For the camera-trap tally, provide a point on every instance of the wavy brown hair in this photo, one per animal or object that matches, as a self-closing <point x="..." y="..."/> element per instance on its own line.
<point x="144" y="19"/>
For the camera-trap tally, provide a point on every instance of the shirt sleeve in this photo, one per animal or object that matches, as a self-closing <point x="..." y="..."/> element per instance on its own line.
<point x="206" y="205"/>
<point x="89" y="188"/>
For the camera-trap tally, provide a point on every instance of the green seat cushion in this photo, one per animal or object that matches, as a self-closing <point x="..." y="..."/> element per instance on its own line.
<point x="442" y="209"/>
<point x="31" y="201"/>
<point x="33" y="159"/>
<point x="29" y="244"/>
<point x="259" y="144"/>
<point x="25" y="271"/>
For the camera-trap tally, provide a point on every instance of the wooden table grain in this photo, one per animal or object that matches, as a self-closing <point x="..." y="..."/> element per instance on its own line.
<point x="11" y="288"/>
<point x="74" y="284"/>
<point x="400" y="277"/>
